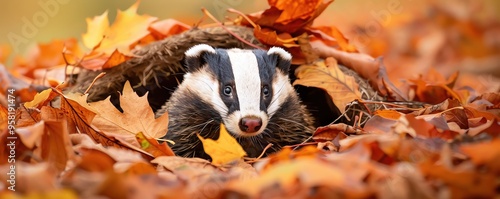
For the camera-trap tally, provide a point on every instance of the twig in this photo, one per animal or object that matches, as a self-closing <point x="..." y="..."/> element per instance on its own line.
<point x="252" y="160"/>
<point x="205" y="11"/>
<point x="93" y="82"/>
<point x="242" y="15"/>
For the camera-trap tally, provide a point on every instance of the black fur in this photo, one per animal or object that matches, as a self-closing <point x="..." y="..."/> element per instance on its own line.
<point x="189" y="114"/>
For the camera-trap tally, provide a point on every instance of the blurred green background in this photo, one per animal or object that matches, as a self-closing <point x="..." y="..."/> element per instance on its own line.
<point x="66" y="18"/>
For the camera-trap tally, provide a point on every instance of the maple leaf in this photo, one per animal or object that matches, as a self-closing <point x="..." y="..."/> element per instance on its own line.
<point x="223" y="150"/>
<point x="127" y="28"/>
<point x="112" y="44"/>
<point x="137" y="117"/>
<point x="326" y="75"/>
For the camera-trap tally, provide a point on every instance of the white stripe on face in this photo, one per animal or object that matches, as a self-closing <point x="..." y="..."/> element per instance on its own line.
<point x="204" y="85"/>
<point x="247" y="80"/>
<point x="281" y="90"/>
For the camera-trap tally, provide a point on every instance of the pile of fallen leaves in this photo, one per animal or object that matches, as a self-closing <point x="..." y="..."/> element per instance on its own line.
<point x="429" y="139"/>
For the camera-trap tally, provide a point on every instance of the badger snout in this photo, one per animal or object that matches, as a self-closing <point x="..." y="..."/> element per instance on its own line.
<point x="250" y="124"/>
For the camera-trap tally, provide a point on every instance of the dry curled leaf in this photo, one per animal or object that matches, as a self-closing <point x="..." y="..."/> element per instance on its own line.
<point x="326" y="75"/>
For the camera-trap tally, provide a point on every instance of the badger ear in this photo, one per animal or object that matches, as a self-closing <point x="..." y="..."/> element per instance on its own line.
<point x="195" y="56"/>
<point x="283" y="58"/>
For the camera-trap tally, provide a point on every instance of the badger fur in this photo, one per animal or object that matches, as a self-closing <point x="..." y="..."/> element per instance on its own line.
<point x="249" y="91"/>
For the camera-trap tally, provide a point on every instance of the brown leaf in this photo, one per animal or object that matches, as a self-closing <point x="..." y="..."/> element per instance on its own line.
<point x="294" y="178"/>
<point x="363" y="64"/>
<point x="32" y="178"/>
<point x="55" y="145"/>
<point x="333" y="131"/>
<point x="137" y="116"/>
<point x="462" y="184"/>
<point x="194" y="169"/>
<point x="326" y="75"/>
<point x="420" y="128"/>
<point x="379" y="124"/>
<point x="95" y="160"/>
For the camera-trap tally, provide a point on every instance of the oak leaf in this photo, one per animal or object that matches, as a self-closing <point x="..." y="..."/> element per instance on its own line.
<point x="326" y="75"/>
<point x="223" y="150"/>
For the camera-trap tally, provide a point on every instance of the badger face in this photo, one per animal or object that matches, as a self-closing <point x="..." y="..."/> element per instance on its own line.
<point x="245" y="87"/>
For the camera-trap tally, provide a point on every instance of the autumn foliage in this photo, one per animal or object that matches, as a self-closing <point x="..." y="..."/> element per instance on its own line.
<point x="423" y="132"/>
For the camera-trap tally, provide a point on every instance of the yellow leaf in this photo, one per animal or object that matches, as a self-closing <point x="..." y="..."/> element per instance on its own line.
<point x="40" y="99"/>
<point x="223" y="150"/>
<point x="128" y="28"/>
<point x="96" y="27"/>
<point x="326" y="75"/>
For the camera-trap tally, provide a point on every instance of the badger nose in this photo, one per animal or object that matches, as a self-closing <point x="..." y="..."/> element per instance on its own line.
<point x="250" y="124"/>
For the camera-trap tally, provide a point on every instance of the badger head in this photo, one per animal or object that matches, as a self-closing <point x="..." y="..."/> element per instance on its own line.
<point x="245" y="87"/>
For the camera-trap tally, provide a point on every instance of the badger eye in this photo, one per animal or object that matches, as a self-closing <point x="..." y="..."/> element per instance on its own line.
<point x="265" y="91"/>
<point x="228" y="90"/>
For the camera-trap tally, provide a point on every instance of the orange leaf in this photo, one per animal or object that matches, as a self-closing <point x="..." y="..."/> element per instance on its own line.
<point x="116" y="58"/>
<point x="286" y="16"/>
<point x="389" y="114"/>
<point x="48" y="55"/>
<point x="484" y="153"/>
<point x="271" y="38"/>
<point x="152" y="146"/>
<point x="326" y="75"/>
<point x="167" y="27"/>
<point x="5" y="51"/>
<point x="332" y="37"/>
<point x="3" y="118"/>
<point x="462" y="184"/>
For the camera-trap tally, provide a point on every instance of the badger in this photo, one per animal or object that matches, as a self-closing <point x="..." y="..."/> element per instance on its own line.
<point x="248" y="90"/>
